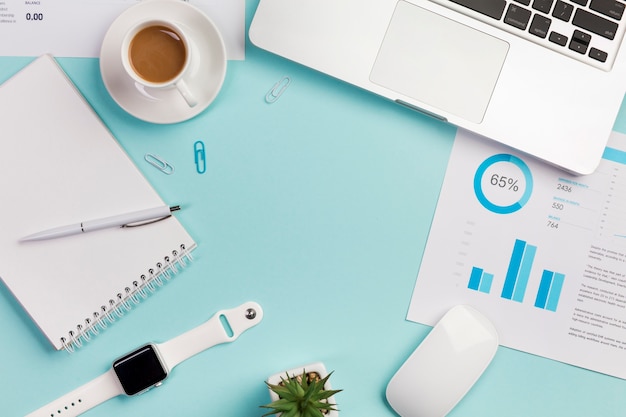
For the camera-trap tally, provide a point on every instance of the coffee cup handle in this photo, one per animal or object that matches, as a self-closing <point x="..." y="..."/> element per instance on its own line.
<point x="181" y="85"/>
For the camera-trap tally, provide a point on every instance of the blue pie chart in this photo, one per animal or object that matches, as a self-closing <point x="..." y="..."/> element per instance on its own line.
<point x="503" y="183"/>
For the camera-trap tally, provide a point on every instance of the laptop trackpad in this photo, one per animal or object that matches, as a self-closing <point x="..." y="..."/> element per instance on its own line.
<point x="440" y="62"/>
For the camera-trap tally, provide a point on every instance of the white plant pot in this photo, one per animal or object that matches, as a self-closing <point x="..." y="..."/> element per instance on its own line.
<point x="313" y="367"/>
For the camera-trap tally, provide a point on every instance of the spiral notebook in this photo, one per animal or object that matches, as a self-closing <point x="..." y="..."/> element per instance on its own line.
<point x="60" y="165"/>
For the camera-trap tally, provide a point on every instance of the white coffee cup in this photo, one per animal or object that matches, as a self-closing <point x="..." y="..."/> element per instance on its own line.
<point x="157" y="54"/>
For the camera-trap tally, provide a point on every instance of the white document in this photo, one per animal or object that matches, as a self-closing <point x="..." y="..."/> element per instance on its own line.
<point x="540" y="252"/>
<point x="76" y="28"/>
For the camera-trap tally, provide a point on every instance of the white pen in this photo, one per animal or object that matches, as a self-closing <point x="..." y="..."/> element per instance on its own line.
<point x="121" y="220"/>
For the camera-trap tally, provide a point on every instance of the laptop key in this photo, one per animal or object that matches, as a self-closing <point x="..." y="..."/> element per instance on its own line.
<point x="491" y="8"/>
<point x="540" y="26"/>
<point x="543" y="5"/>
<point x="598" y="54"/>
<point x="582" y="37"/>
<point x="576" y="46"/>
<point x="563" y="11"/>
<point x="517" y="16"/>
<point x="557" y="38"/>
<point x="594" y="24"/>
<point x="610" y="8"/>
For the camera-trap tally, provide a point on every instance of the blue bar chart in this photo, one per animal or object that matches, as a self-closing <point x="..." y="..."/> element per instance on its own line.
<point x="518" y="276"/>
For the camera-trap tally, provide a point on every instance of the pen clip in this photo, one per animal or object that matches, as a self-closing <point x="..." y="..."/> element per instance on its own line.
<point x="138" y="224"/>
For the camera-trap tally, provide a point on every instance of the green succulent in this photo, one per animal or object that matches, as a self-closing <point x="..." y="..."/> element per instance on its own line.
<point x="301" y="396"/>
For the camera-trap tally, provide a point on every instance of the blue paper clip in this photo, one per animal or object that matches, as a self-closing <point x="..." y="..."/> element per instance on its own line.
<point x="278" y="89"/>
<point x="199" y="156"/>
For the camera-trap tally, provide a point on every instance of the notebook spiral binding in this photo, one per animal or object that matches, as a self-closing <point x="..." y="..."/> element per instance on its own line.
<point x="124" y="301"/>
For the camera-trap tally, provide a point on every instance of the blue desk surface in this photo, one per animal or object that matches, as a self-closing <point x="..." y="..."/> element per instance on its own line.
<point x="318" y="207"/>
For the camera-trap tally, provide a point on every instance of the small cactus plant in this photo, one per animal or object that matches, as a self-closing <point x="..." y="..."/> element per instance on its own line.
<point x="301" y="396"/>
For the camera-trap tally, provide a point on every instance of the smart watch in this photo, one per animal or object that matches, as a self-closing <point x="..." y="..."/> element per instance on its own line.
<point x="149" y="365"/>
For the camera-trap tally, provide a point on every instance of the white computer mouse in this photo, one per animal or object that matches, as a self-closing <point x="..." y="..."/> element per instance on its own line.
<point x="445" y="365"/>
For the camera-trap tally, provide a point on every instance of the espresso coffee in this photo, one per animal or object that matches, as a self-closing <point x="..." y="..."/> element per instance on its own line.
<point x="157" y="54"/>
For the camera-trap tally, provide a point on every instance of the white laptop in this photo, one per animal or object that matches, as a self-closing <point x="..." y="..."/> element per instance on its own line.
<point x="544" y="76"/>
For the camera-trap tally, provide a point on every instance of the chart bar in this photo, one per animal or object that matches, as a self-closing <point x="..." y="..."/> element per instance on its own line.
<point x="555" y="291"/>
<point x="518" y="272"/>
<point x="549" y="290"/>
<point x="544" y="289"/>
<point x="524" y="273"/>
<point x="475" y="277"/>
<point x="485" y="283"/>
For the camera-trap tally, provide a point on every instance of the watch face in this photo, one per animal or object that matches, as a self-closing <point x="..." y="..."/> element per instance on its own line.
<point x="139" y="370"/>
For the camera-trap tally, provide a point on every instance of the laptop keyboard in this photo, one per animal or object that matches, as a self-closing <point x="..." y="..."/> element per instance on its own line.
<point x="587" y="30"/>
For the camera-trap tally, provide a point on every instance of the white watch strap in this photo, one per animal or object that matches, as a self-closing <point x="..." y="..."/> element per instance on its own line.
<point x="224" y="326"/>
<point x="95" y="392"/>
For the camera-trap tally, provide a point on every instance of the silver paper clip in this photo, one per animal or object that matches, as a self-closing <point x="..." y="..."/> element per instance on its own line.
<point x="278" y="89"/>
<point x="159" y="163"/>
<point x="199" y="156"/>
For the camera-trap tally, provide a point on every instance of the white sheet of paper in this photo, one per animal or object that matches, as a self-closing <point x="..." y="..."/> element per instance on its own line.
<point x="562" y="294"/>
<point x="76" y="28"/>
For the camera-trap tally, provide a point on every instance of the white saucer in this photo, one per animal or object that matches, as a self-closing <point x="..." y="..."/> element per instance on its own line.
<point x="206" y="74"/>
